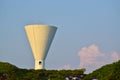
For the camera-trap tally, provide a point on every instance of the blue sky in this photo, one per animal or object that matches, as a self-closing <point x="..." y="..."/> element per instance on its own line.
<point x="81" y="23"/>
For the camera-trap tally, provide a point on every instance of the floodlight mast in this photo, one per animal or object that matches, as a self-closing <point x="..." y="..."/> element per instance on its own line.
<point x="40" y="38"/>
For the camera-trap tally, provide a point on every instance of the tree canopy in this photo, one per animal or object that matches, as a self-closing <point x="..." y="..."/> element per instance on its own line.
<point x="107" y="72"/>
<point x="11" y="72"/>
<point x="14" y="73"/>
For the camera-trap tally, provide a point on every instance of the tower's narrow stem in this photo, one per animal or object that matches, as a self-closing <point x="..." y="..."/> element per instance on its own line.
<point x="39" y="64"/>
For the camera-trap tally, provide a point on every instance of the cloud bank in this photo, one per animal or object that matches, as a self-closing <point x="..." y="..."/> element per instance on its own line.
<point x="92" y="58"/>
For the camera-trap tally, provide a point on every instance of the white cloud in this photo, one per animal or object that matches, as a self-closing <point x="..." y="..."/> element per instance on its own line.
<point x="115" y="56"/>
<point x="92" y="58"/>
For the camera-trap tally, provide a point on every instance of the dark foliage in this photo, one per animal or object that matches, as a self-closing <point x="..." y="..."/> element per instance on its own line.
<point x="11" y="72"/>
<point x="107" y="72"/>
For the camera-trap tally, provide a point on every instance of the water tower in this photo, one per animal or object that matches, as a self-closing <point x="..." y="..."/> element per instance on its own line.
<point x="40" y="38"/>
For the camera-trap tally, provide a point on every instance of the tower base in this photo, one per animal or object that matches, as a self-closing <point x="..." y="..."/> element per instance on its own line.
<point x="39" y="64"/>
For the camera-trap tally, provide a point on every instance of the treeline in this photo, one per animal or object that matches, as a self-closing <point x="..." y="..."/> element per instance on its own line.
<point x="107" y="72"/>
<point x="11" y="72"/>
